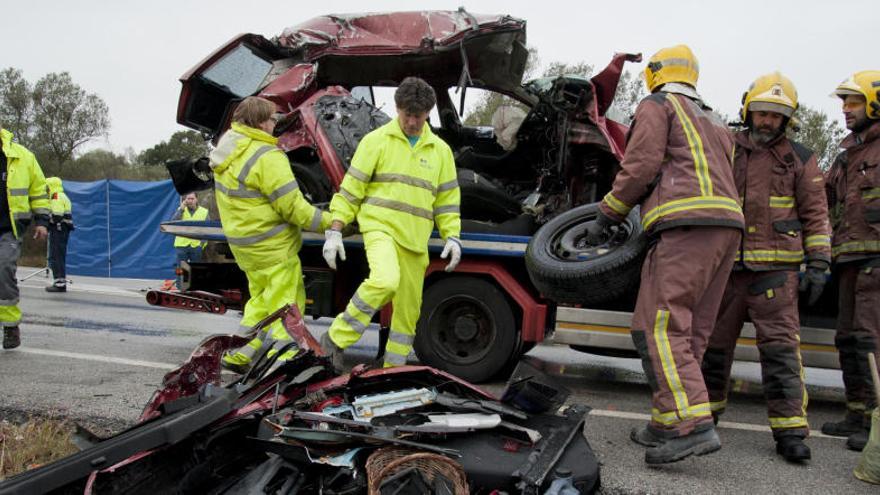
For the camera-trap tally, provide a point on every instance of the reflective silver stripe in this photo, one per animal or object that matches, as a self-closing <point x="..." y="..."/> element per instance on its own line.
<point x="248" y="165"/>
<point x="42" y="211"/>
<point x="357" y="174"/>
<point x="41" y="196"/>
<point x="24" y="215"/>
<point x="446" y="209"/>
<point x="244" y="330"/>
<point x="253" y="239"/>
<point x="353" y="322"/>
<point x="18" y="192"/>
<point x="316" y="221"/>
<point x="405" y="179"/>
<point x="447" y="186"/>
<point x="679" y="62"/>
<point x="401" y="338"/>
<point x="238" y="193"/>
<point x="394" y="358"/>
<point x="399" y="206"/>
<point x="349" y="197"/>
<point x="362" y="305"/>
<point x="8" y="302"/>
<point x="281" y="191"/>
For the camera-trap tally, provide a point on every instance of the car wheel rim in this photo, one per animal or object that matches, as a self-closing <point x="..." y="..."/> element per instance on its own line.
<point x="570" y="242"/>
<point x="462" y="330"/>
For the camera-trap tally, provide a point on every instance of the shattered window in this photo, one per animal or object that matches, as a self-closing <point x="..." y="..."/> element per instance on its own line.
<point x="240" y="71"/>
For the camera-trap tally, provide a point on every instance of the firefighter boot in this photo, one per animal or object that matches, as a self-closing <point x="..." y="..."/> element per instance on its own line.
<point x="852" y="423"/>
<point x="676" y="449"/>
<point x="11" y="337"/>
<point x="333" y="352"/>
<point x="792" y="448"/>
<point x="645" y="437"/>
<point x="857" y="441"/>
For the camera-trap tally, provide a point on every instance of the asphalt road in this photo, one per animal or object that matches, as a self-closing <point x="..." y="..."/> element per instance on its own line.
<point x="96" y="354"/>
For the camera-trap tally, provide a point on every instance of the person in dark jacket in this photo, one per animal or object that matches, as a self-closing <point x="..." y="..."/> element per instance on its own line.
<point x="677" y="167"/>
<point x="786" y="218"/>
<point x="60" y="227"/>
<point x="853" y="185"/>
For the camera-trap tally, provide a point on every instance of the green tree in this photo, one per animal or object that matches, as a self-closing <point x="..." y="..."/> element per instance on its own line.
<point x="819" y="133"/>
<point x="630" y="91"/>
<point x="65" y="117"/>
<point x="181" y="144"/>
<point x="16" y="105"/>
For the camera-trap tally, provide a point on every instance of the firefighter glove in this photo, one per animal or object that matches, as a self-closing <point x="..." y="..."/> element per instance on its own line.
<point x="813" y="281"/>
<point x="599" y="230"/>
<point x="452" y="246"/>
<point x="333" y="247"/>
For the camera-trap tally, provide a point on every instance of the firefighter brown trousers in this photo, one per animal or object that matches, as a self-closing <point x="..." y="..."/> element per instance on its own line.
<point x="683" y="280"/>
<point x="770" y="301"/>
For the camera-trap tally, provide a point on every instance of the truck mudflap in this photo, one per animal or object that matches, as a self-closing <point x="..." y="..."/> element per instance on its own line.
<point x="290" y="425"/>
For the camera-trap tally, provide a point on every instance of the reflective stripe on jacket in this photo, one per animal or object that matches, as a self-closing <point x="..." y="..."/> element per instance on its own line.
<point x="59" y="203"/>
<point x="25" y="186"/>
<point x="784" y="204"/>
<point x="853" y="184"/>
<point x="399" y="189"/>
<point x="677" y="166"/>
<point x="261" y="207"/>
<point x="200" y="215"/>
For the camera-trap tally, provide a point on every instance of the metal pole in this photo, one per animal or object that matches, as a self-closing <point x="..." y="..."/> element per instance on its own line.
<point x="109" y="248"/>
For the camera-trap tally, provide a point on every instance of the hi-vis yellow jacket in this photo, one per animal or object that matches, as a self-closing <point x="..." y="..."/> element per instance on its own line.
<point x="25" y="186"/>
<point x="200" y="215"/>
<point x="399" y="189"/>
<point x="59" y="203"/>
<point x="261" y="207"/>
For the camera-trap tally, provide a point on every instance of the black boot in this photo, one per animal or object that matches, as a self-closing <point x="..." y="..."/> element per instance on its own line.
<point x="852" y="423"/>
<point x="792" y="448"/>
<point x="11" y="337"/>
<point x="857" y="441"/>
<point x="644" y="436"/>
<point x="676" y="449"/>
<point x="56" y="288"/>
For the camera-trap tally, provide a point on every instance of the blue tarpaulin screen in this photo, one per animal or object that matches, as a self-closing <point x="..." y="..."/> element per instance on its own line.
<point x="117" y="229"/>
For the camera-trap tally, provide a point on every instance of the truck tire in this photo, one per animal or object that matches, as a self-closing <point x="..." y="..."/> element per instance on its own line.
<point x="567" y="270"/>
<point x="466" y="328"/>
<point x="313" y="184"/>
<point x="482" y="200"/>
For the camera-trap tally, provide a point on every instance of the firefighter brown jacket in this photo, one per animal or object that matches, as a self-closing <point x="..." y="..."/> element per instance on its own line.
<point x="853" y="185"/>
<point x="677" y="166"/>
<point x="782" y="191"/>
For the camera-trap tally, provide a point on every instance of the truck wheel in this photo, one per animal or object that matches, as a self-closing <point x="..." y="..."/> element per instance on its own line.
<point x="564" y="268"/>
<point x="466" y="328"/>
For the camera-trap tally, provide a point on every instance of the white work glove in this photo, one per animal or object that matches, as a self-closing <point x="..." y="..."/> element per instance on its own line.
<point x="332" y="247"/>
<point x="452" y="246"/>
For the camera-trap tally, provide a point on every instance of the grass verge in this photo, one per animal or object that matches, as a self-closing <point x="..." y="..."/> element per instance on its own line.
<point x="34" y="442"/>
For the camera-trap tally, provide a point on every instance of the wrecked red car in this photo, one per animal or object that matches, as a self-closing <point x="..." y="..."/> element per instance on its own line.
<point x="527" y="181"/>
<point x="296" y="427"/>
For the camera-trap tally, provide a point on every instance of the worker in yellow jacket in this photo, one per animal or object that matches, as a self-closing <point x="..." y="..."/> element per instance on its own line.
<point x="60" y="226"/>
<point x="262" y="211"/>
<point x="23" y="199"/>
<point x="401" y="182"/>
<point x="187" y="249"/>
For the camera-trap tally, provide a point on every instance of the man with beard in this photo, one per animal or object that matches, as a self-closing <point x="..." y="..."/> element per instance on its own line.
<point x="854" y="195"/>
<point x="786" y="215"/>
<point x="677" y="167"/>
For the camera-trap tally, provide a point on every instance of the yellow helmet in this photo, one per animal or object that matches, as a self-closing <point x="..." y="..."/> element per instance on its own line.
<point x="770" y="93"/>
<point x="674" y="64"/>
<point x="867" y="84"/>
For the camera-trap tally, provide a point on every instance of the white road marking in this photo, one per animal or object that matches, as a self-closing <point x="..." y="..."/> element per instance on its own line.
<point x="97" y="358"/>
<point x="722" y="424"/>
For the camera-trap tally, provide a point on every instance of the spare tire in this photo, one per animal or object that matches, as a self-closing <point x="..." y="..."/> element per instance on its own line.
<point x="482" y="200"/>
<point x="565" y="269"/>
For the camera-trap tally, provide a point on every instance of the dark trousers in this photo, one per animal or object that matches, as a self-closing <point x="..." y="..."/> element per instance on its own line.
<point x="858" y="330"/>
<point x="58" y="252"/>
<point x="770" y="300"/>
<point x="683" y="280"/>
<point x="188" y="254"/>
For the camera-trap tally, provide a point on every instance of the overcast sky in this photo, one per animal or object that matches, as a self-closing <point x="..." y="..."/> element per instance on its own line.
<point x="132" y="53"/>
